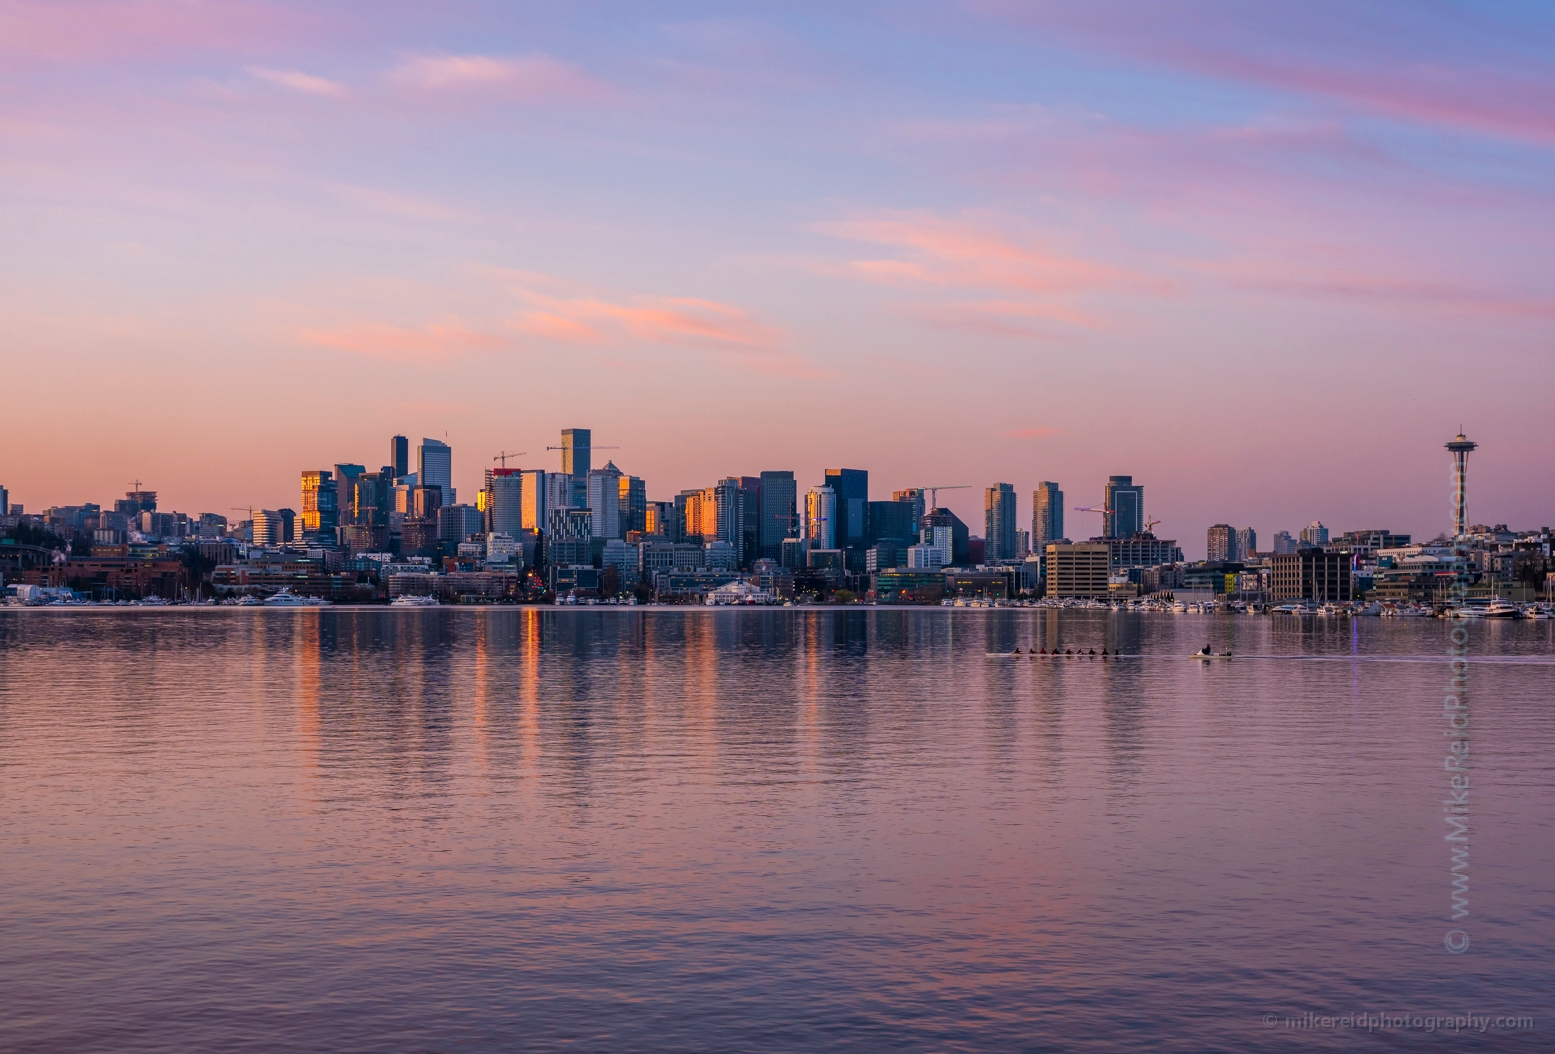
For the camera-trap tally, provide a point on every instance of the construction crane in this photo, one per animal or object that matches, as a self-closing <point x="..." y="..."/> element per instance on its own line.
<point x="1150" y="526"/>
<point x="933" y="492"/>
<point x="592" y="446"/>
<point x="503" y="457"/>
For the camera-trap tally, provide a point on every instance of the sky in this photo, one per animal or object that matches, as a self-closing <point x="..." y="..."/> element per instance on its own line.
<point x="1264" y="257"/>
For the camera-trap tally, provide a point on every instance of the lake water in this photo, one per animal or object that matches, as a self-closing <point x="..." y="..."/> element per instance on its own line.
<point x="613" y="830"/>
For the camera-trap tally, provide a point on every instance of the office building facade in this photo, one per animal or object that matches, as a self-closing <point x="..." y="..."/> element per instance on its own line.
<point x="399" y="456"/>
<point x="1077" y="569"/>
<point x="821" y="518"/>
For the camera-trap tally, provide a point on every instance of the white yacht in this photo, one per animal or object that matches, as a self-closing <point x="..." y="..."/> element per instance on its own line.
<point x="1501" y="609"/>
<point x="413" y="601"/>
<point x="287" y="599"/>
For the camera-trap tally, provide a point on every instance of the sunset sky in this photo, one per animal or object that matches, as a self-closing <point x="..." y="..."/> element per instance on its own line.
<point x="1266" y="258"/>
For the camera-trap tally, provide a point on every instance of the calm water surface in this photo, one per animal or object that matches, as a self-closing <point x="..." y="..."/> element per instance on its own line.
<point x="470" y="830"/>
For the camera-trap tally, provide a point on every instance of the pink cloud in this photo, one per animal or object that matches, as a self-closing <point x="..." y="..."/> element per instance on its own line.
<point x="964" y="254"/>
<point x="299" y="81"/>
<point x="730" y="332"/>
<point x="527" y="76"/>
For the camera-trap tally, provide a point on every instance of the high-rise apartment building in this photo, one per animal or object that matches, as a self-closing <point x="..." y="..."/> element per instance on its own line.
<point x="399" y="456"/>
<point x="851" y="488"/>
<point x="1314" y="533"/>
<point x="821" y="518"/>
<point x="435" y="467"/>
<point x="320" y="511"/>
<point x="504" y="501"/>
<point x="779" y="513"/>
<point x="1246" y="544"/>
<point x="1047" y="516"/>
<point x="1222" y="543"/>
<point x="345" y="491"/>
<point x="1125" y="504"/>
<point x="5" y="502"/>
<point x="750" y="529"/>
<point x="999" y="523"/>
<point x="914" y="497"/>
<point x="1283" y="543"/>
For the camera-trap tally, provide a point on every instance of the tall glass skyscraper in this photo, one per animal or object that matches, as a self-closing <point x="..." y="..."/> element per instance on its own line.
<point x="1047" y="515"/>
<point x="1125" y="504"/>
<point x="399" y="456"/>
<point x="779" y="508"/>
<point x="435" y="467"/>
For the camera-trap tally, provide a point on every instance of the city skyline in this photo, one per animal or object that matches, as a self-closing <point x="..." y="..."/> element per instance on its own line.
<point x="1231" y="256"/>
<point x="576" y="447"/>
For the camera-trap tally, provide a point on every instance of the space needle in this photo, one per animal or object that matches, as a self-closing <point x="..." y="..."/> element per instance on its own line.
<point x="1460" y="447"/>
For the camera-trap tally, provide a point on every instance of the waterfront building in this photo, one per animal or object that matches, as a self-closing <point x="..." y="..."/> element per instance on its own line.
<point x="1314" y="533"/>
<point x="655" y="553"/>
<point x="821" y="518"/>
<point x="1124" y="501"/>
<point x="1312" y="574"/>
<point x="910" y="587"/>
<point x="925" y="556"/>
<point x="688" y="556"/>
<point x="435" y="468"/>
<point x="320" y="511"/>
<point x="1078" y="569"/>
<point x="623" y="558"/>
<point x="1222" y="542"/>
<point x="999" y="541"/>
<point x="1047" y="516"/>
<point x="850" y="489"/>
<point x="399" y="456"/>
<point x="505" y="501"/>
<point x="824" y="558"/>
<point x="1141" y="550"/>
<point x="778" y="513"/>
